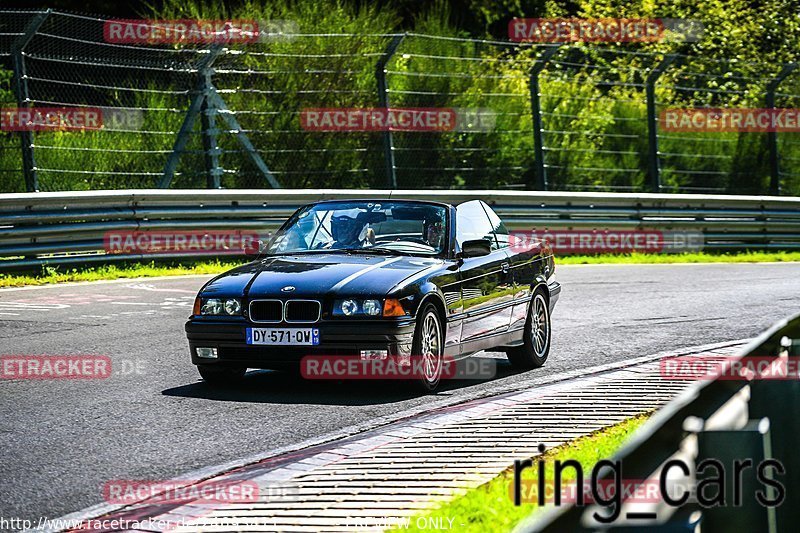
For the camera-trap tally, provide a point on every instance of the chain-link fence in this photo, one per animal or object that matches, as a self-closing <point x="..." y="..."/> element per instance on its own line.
<point x="568" y="117"/>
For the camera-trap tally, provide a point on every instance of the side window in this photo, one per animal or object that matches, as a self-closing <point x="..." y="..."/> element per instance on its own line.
<point x="473" y="224"/>
<point x="500" y="230"/>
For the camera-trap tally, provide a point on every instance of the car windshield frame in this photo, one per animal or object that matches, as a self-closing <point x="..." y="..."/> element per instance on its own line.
<point x="365" y="205"/>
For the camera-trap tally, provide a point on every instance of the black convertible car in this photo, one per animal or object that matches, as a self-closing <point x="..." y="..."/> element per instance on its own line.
<point x="378" y="278"/>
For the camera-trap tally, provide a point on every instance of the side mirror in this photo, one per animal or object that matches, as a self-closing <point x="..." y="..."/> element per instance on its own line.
<point x="476" y="248"/>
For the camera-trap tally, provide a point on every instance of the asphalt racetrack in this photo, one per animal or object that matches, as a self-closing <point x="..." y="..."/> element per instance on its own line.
<point x="154" y="419"/>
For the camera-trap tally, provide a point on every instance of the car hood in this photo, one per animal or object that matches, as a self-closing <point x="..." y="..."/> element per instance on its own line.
<point x="318" y="275"/>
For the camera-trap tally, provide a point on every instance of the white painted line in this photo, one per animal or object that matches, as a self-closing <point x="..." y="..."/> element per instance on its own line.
<point x="147" y="287"/>
<point x="26" y="306"/>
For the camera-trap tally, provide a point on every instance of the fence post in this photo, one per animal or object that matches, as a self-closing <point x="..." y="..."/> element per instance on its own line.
<point x="654" y="164"/>
<point x="536" y="111"/>
<point x="198" y="105"/>
<point x="383" y="101"/>
<point x="208" y="122"/>
<point x="24" y="99"/>
<point x="229" y="118"/>
<point x="772" y="136"/>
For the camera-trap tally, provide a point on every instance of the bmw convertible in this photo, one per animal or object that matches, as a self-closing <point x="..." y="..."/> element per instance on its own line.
<point x="373" y="279"/>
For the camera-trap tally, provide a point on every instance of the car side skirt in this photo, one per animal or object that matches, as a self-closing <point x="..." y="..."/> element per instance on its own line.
<point x="498" y="341"/>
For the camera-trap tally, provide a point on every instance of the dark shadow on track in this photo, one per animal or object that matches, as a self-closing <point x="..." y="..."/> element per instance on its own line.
<point x="268" y="386"/>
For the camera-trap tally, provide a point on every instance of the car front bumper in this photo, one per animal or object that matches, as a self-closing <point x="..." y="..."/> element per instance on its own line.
<point x="336" y="338"/>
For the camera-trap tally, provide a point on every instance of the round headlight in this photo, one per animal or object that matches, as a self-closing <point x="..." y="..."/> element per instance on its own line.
<point x="232" y="306"/>
<point x="349" y="307"/>
<point x="212" y="306"/>
<point x="372" y="307"/>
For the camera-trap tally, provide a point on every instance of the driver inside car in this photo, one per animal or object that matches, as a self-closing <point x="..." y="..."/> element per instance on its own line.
<point x="349" y="232"/>
<point x="434" y="233"/>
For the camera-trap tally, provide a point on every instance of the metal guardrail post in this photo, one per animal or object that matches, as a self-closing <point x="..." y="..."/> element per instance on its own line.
<point x="721" y="449"/>
<point x="383" y="101"/>
<point x="772" y="136"/>
<point x="654" y="163"/>
<point x="765" y="395"/>
<point x="23" y="97"/>
<point x="536" y="112"/>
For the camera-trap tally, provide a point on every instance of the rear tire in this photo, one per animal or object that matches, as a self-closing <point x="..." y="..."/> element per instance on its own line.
<point x="536" y="337"/>
<point x="221" y="375"/>
<point x="428" y="345"/>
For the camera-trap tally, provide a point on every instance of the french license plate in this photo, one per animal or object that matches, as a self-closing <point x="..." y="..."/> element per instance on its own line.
<point x="283" y="336"/>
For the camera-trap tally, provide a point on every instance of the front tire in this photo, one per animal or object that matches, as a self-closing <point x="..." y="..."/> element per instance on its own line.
<point x="221" y="375"/>
<point x="428" y="345"/>
<point x="536" y="337"/>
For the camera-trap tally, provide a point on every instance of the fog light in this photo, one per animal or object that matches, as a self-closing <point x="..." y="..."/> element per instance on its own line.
<point x="207" y="353"/>
<point x="374" y="354"/>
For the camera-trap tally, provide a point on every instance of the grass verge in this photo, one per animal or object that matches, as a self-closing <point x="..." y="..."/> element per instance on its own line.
<point x="117" y="271"/>
<point x="490" y="507"/>
<point x="689" y="257"/>
<point x="137" y="270"/>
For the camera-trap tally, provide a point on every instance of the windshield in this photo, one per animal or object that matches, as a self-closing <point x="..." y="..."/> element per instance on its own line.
<point x="379" y="227"/>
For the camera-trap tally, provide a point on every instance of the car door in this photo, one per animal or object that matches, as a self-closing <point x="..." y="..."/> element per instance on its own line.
<point x="521" y="262"/>
<point x="486" y="284"/>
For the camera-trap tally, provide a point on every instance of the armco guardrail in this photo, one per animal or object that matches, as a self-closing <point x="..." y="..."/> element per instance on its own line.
<point x="68" y="227"/>
<point x="724" y="420"/>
